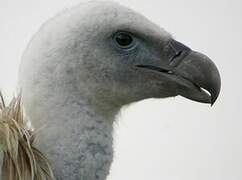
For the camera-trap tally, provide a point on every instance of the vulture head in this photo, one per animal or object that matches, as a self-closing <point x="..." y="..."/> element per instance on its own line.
<point x="115" y="56"/>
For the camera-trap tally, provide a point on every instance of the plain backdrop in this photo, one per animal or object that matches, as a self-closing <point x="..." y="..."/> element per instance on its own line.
<point x="170" y="139"/>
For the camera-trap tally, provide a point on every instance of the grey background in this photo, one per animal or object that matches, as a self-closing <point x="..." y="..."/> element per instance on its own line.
<point x="171" y="139"/>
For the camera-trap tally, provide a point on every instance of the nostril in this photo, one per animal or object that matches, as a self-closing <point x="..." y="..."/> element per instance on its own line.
<point x="176" y="55"/>
<point x="176" y="52"/>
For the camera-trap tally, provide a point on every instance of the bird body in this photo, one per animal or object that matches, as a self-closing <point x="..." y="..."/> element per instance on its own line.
<point x="85" y="64"/>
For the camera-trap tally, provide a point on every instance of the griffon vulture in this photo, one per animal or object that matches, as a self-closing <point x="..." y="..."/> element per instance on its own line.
<point x="77" y="72"/>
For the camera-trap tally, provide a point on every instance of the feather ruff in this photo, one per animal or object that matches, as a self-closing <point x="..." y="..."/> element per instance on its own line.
<point x="21" y="159"/>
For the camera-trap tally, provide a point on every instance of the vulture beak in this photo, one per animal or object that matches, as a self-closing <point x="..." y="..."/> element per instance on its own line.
<point x="196" y="75"/>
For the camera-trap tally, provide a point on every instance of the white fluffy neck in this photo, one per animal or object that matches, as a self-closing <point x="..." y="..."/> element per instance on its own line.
<point x="77" y="139"/>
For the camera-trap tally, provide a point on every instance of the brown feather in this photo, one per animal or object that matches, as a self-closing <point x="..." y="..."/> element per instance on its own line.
<point x="21" y="159"/>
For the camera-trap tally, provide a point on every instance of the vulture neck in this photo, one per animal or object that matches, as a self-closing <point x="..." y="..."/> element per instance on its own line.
<point x="77" y="138"/>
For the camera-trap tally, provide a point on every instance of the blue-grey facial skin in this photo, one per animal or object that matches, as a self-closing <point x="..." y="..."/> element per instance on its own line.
<point x="122" y="81"/>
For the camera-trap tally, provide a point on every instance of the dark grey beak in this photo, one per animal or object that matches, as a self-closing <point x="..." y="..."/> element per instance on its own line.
<point x="196" y="75"/>
<point x="201" y="77"/>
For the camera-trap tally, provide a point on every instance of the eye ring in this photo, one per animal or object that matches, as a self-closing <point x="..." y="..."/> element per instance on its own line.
<point x="123" y="40"/>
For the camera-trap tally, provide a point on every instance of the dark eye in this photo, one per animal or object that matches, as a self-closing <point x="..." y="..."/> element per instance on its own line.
<point x="124" y="40"/>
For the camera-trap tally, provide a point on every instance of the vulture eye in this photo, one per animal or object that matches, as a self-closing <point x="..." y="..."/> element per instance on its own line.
<point x="124" y="40"/>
